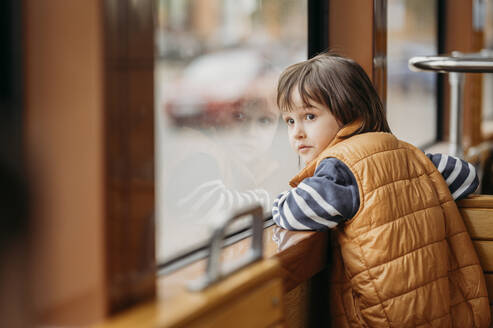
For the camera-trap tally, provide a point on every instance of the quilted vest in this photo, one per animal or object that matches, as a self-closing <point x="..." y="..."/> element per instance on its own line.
<point x="405" y="259"/>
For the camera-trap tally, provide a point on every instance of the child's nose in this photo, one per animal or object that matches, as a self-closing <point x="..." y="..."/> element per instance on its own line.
<point x="299" y="132"/>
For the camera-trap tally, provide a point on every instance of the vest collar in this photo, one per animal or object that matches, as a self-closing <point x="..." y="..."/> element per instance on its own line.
<point x="310" y="167"/>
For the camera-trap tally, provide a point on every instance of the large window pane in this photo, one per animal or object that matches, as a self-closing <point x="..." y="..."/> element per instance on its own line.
<point x="411" y="102"/>
<point x="220" y="146"/>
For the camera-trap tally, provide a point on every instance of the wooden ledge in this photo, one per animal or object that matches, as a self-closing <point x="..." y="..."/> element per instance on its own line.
<point x="476" y="201"/>
<point x="300" y="255"/>
<point x="292" y="256"/>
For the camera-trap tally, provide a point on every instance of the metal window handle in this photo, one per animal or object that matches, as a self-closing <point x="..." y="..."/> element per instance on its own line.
<point x="214" y="272"/>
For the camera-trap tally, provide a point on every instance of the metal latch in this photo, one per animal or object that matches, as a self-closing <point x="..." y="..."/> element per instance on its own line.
<point x="214" y="271"/>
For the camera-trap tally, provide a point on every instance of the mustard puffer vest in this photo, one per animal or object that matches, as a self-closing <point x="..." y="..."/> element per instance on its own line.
<point x="405" y="259"/>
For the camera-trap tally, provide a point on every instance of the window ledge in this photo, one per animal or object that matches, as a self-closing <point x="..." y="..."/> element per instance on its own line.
<point x="294" y="256"/>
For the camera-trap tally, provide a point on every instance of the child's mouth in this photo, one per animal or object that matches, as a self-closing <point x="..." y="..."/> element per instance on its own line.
<point x="304" y="148"/>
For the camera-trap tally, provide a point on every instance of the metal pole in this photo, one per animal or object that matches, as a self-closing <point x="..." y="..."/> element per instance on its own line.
<point x="456" y="66"/>
<point x="456" y="81"/>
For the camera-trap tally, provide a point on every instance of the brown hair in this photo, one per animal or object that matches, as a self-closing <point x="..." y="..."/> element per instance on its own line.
<point x="338" y="83"/>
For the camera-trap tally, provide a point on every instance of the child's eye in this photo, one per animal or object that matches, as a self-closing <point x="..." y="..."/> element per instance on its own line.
<point x="239" y="116"/>
<point x="265" y="121"/>
<point x="310" y="117"/>
<point x="289" y="121"/>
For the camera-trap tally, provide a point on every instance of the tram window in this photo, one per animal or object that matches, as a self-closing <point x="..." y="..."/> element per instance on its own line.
<point x="220" y="146"/>
<point x="411" y="102"/>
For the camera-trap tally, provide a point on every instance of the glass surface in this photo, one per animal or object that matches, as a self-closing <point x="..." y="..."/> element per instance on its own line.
<point x="220" y="144"/>
<point x="411" y="102"/>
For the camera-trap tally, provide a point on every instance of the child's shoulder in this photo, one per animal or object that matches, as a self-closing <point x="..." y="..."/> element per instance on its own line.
<point x="362" y="145"/>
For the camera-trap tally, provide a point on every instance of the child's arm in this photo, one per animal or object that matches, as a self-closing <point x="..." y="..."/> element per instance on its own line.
<point x="203" y="193"/>
<point x="319" y="202"/>
<point x="331" y="195"/>
<point x="459" y="175"/>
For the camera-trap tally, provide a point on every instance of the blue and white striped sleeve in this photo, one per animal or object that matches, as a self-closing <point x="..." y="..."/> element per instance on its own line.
<point x="459" y="175"/>
<point x="320" y="202"/>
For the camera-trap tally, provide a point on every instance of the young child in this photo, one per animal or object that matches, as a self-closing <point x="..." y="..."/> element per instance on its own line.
<point x="403" y="257"/>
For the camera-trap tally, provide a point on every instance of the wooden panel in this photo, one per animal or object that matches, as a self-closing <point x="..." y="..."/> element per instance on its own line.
<point x="302" y="254"/>
<point x="379" y="77"/>
<point x="479" y="222"/>
<point x="460" y="35"/>
<point x="129" y="160"/>
<point x="258" y="308"/>
<point x="485" y="253"/>
<point x="89" y="136"/>
<point x="478" y="201"/>
<point x="64" y="154"/>
<point x="358" y="30"/>
<point x="351" y="31"/>
<point x="296" y="256"/>
<point x="187" y="308"/>
<point x="296" y="306"/>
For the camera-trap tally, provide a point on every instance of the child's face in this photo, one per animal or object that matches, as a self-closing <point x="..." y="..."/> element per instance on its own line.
<point x="310" y="129"/>
<point x="252" y="131"/>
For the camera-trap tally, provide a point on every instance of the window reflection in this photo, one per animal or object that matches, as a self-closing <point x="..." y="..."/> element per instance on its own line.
<point x="220" y="146"/>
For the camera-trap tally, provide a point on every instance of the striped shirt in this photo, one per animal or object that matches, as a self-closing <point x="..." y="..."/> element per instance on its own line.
<point x="331" y="195"/>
